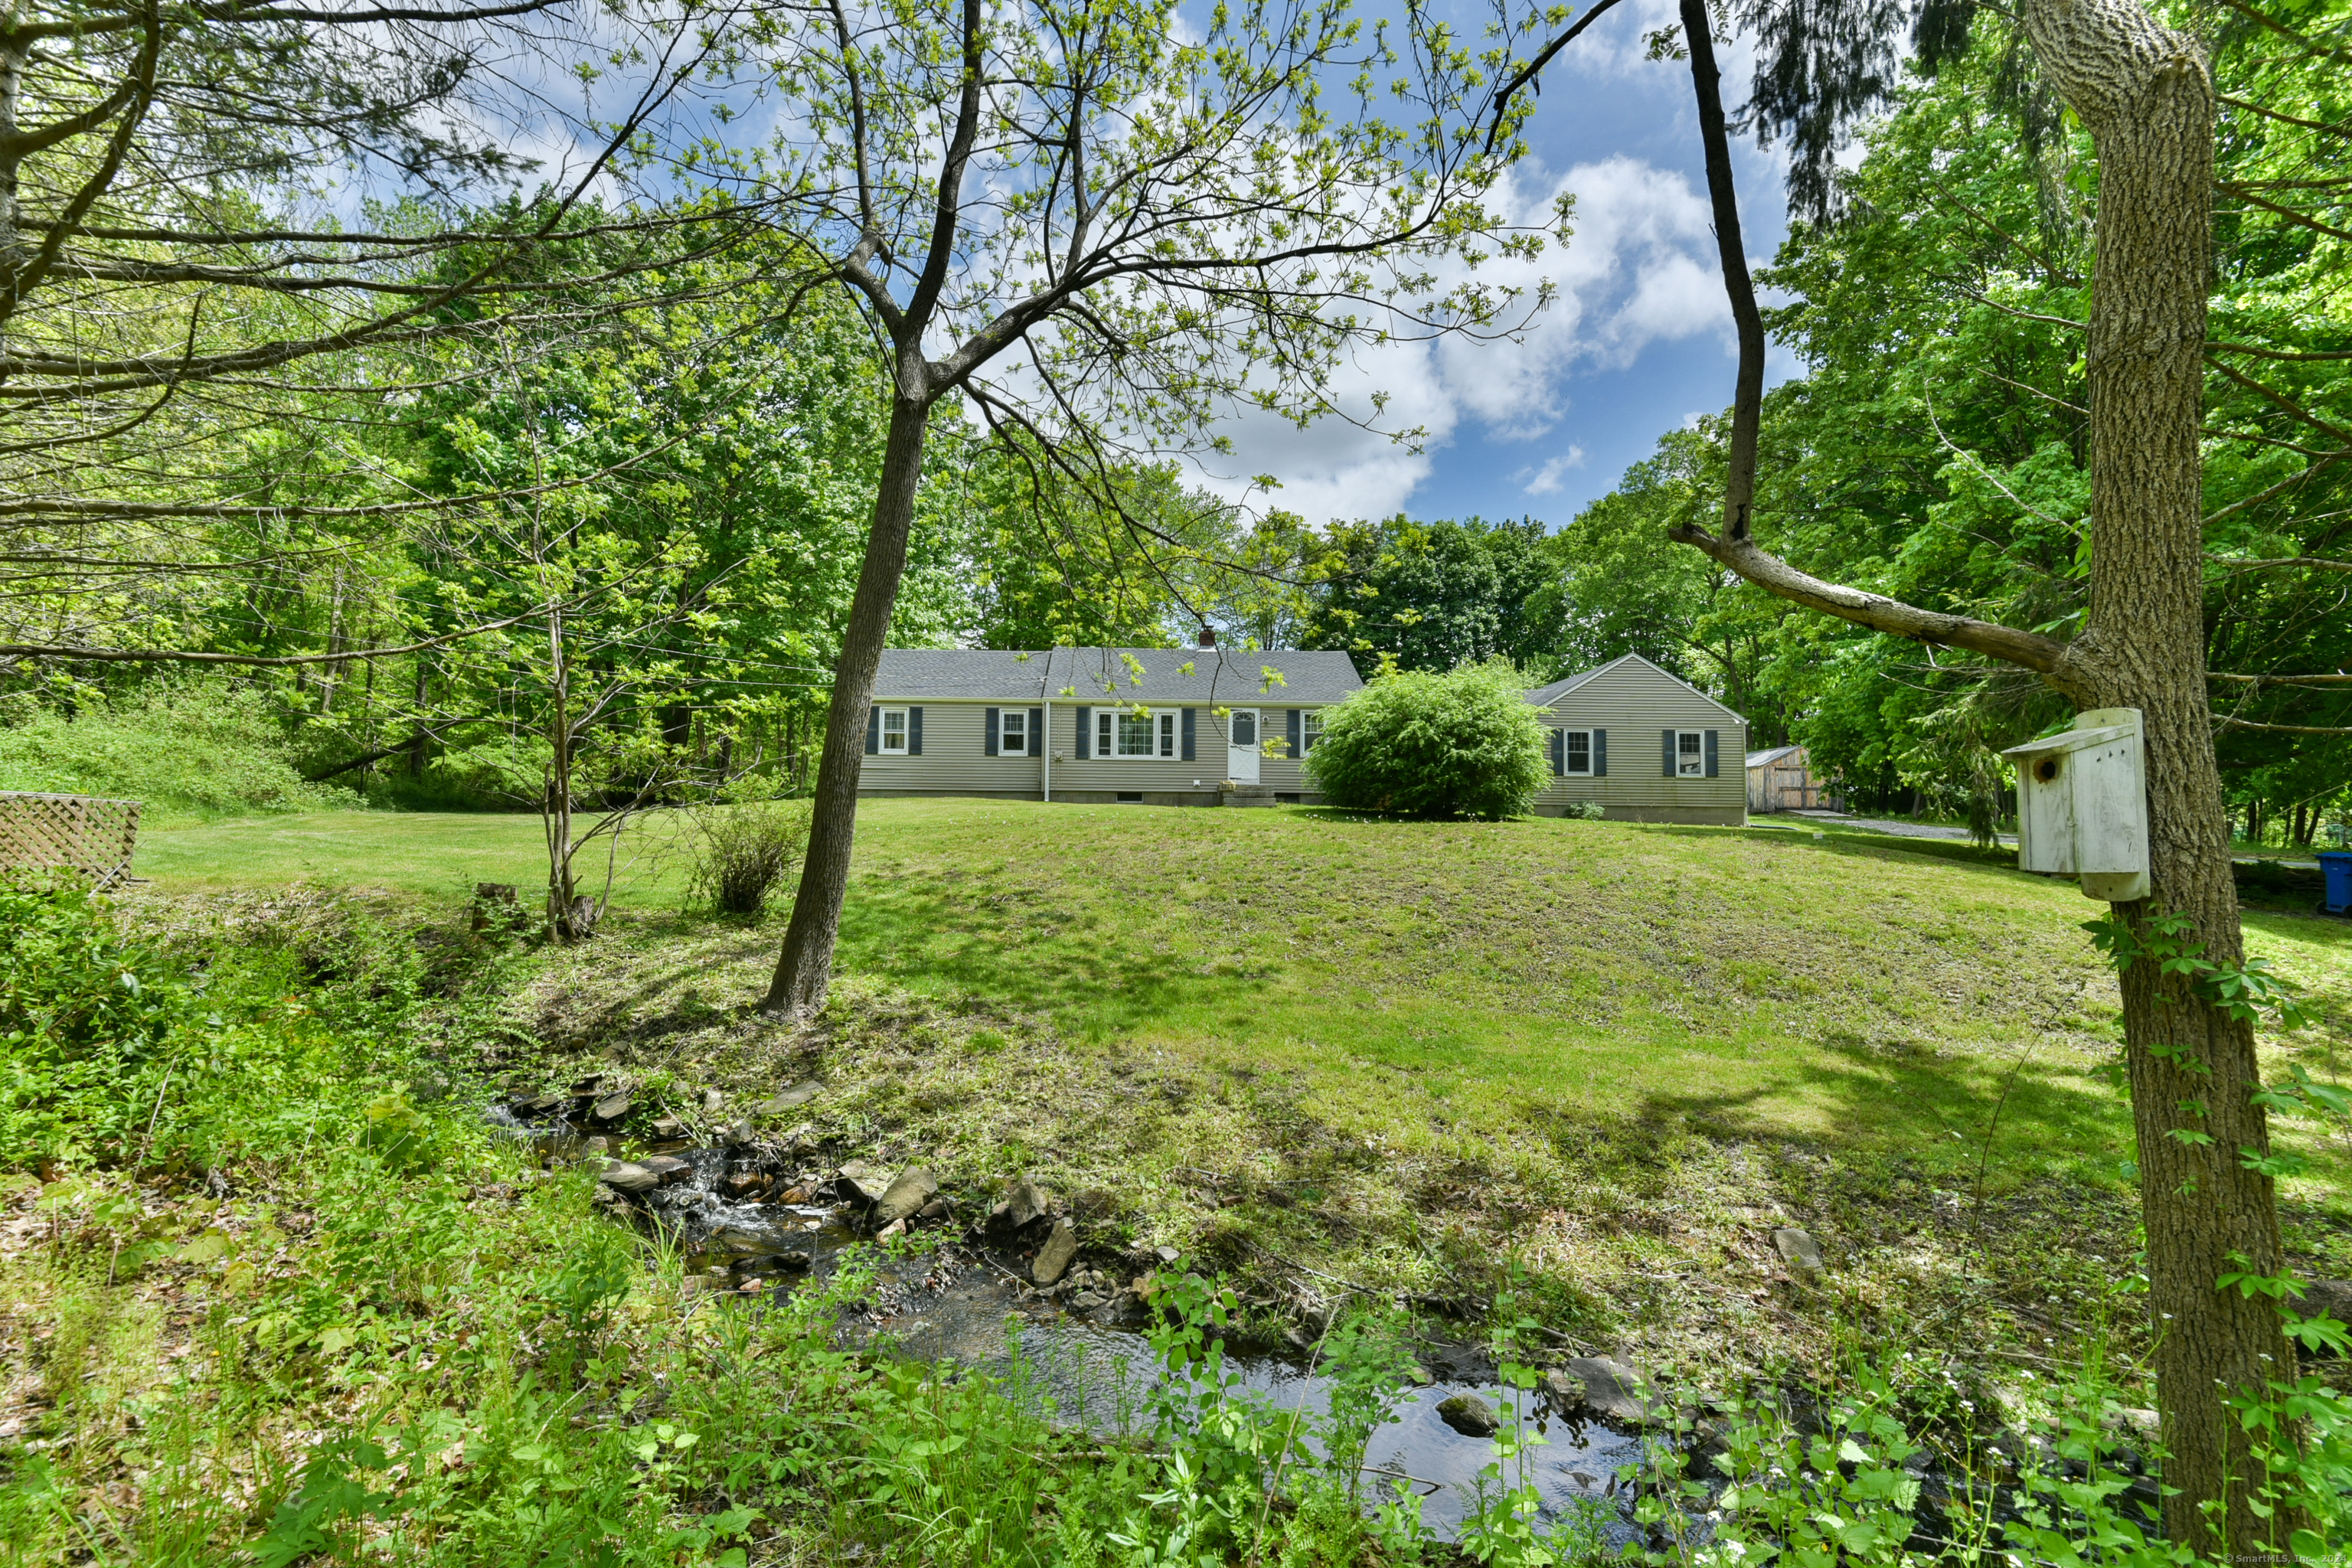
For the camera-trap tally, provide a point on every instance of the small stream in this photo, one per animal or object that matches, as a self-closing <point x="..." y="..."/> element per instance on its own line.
<point x="962" y="1304"/>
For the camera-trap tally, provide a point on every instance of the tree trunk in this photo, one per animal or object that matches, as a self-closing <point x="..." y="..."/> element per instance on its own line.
<point x="1748" y="391"/>
<point x="2145" y="95"/>
<point x="804" y="969"/>
<point x="562" y="897"/>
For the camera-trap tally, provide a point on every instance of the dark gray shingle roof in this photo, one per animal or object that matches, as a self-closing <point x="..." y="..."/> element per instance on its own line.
<point x="982" y="674"/>
<point x="1204" y="676"/>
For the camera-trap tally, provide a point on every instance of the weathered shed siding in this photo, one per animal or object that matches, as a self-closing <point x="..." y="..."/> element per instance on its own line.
<point x="1635" y="700"/>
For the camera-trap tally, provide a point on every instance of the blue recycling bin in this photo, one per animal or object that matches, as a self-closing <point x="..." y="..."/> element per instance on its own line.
<point x="2336" y="867"/>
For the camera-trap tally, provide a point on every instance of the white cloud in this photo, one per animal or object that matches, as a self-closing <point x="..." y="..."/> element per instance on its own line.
<point x="1545" y="480"/>
<point x="1639" y="270"/>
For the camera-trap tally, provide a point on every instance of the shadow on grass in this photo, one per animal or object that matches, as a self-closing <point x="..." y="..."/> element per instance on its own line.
<point x="2038" y="1113"/>
<point x="1862" y="846"/>
<point x="937" y="938"/>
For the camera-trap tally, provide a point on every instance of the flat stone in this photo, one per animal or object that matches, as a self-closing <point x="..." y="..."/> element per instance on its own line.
<point x="1800" y="1251"/>
<point x="667" y="1169"/>
<point x="1565" y="1391"/>
<point x="792" y="1099"/>
<point x="668" y="1127"/>
<point x="938" y="1209"/>
<point x="1470" y="1416"/>
<point x="862" y="1182"/>
<point x="907" y="1195"/>
<point x="1614" y="1390"/>
<point x="741" y="1238"/>
<point x="713" y="1099"/>
<point x="1061" y="1246"/>
<point x="623" y="1176"/>
<point x="1021" y="1205"/>
<point x="612" y="1107"/>
<point x="743" y="1183"/>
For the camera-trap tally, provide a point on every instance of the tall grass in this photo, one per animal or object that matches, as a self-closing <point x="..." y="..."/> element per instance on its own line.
<point x="200" y="751"/>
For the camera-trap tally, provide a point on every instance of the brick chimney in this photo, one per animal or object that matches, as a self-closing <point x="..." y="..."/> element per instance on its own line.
<point x="1208" y="635"/>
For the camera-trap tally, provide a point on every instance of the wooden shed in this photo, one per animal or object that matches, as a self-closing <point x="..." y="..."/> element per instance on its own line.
<point x="1783" y="779"/>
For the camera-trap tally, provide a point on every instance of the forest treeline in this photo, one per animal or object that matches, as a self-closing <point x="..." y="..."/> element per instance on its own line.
<point x="679" y="442"/>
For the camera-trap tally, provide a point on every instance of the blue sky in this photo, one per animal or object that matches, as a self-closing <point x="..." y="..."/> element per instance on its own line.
<point x="1638" y="342"/>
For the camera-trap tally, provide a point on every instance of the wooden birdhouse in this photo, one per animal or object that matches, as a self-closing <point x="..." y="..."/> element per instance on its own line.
<point x="2082" y="805"/>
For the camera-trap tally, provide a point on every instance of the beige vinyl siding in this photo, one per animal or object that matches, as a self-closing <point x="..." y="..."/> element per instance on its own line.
<point x="1155" y="775"/>
<point x="1283" y="773"/>
<point x="953" y="761"/>
<point x="1634" y="703"/>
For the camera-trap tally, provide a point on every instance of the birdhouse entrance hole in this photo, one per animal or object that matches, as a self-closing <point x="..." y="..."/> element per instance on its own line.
<point x="2046" y="770"/>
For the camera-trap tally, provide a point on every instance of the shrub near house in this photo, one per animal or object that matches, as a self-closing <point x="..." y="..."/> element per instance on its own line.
<point x="1418" y="744"/>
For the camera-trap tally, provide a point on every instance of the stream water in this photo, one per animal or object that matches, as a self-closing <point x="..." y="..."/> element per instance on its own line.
<point x="962" y="1305"/>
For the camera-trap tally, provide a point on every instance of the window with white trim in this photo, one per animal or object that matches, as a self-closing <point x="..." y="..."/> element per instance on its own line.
<point x="1690" y="753"/>
<point x="1135" y="732"/>
<point x="1310" y="729"/>
<point x="1576" y="753"/>
<point x="894" y="732"/>
<point x="1014" y="732"/>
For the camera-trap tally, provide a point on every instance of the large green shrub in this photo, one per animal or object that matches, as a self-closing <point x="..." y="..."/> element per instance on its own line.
<point x="1464" y="744"/>
<point x="207" y="752"/>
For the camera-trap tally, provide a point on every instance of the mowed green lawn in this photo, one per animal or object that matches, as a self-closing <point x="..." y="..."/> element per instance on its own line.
<point x="1847" y="989"/>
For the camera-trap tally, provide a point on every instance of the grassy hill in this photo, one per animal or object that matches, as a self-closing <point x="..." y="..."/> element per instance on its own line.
<point x="1853" y="991"/>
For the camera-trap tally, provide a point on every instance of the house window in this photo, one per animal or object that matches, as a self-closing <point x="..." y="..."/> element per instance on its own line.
<point x="1013" y="735"/>
<point x="1575" y="753"/>
<point x="1310" y="729"/>
<point x="1130" y="732"/>
<point x="1134" y="734"/>
<point x="894" y="732"/>
<point x="1690" y="753"/>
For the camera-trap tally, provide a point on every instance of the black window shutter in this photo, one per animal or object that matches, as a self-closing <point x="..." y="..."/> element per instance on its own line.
<point x="1036" y="732"/>
<point x="988" y="746"/>
<point x="1600" y="753"/>
<point x="914" y="732"/>
<point x="873" y="730"/>
<point x="1710" y="754"/>
<point x="1190" y="722"/>
<point x="1291" y="730"/>
<point x="1558" y="752"/>
<point x="1085" y="728"/>
<point x="1670" y="754"/>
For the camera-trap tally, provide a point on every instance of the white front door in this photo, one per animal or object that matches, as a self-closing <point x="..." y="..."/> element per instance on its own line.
<point x="1241" y="745"/>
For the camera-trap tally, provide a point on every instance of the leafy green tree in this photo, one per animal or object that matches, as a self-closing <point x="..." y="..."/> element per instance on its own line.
<point x="236" y="242"/>
<point x="1431" y="595"/>
<point x="2203" y="434"/>
<point x="1624" y="586"/>
<point x="1099" y="225"/>
<point x="1422" y="743"/>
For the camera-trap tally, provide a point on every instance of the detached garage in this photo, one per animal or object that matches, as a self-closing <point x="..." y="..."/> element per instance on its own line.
<point x="1645" y="745"/>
